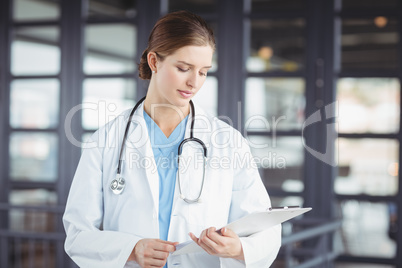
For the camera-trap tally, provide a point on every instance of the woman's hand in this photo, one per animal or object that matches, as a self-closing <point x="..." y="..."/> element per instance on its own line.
<point x="225" y="244"/>
<point x="152" y="252"/>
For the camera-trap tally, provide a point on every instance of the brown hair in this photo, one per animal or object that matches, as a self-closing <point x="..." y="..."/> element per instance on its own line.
<point x="173" y="31"/>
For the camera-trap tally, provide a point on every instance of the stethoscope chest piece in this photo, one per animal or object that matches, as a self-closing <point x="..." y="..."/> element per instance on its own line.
<point x="117" y="185"/>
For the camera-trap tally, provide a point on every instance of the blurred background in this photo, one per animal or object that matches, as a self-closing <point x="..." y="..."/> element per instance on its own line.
<point x="68" y="67"/>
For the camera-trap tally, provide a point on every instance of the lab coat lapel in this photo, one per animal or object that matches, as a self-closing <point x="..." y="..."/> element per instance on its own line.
<point x="140" y="142"/>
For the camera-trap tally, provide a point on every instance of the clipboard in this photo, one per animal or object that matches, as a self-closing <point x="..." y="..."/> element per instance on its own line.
<point x="250" y="224"/>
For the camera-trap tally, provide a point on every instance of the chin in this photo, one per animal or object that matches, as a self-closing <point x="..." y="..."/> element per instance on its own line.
<point x="182" y="103"/>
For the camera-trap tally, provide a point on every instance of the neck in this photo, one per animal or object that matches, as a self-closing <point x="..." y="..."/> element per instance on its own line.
<point x="166" y="116"/>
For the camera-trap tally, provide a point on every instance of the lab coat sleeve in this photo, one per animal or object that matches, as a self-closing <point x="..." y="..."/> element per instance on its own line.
<point x="86" y="243"/>
<point x="249" y="195"/>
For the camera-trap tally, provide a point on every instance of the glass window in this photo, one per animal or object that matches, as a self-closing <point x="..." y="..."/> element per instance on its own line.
<point x="31" y="220"/>
<point x="35" y="51"/>
<point x="35" y="10"/>
<point x="369" y="43"/>
<point x="25" y="252"/>
<point x="274" y="104"/>
<point x="367" y="166"/>
<point x="44" y="34"/>
<point x="116" y="9"/>
<point x="34" y="103"/>
<point x="277" y="45"/>
<point x="286" y="201"/>
<point x="280" y="161"/>
<point x="214" y="28"/>
<point x="363" y="236"/>
<point x="110" y="48"/>
<point x="33" y="156"/>
<point x="274" y="5"/>
<point x="346" y="4"/>
<point x="34" y="197"/>
<point x="214" y="67"/>
<point x="193" y="5"/>
<point x="288" y="227"/>
<point x="104" y="99"/>
<point x="368" y="105"/>
<point x="207" y="96"/>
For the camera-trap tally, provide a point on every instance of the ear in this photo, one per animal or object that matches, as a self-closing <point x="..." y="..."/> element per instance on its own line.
<point x="152" y="60"/>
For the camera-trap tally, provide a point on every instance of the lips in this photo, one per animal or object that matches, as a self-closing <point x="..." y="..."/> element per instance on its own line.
<point x="186" y="94"/>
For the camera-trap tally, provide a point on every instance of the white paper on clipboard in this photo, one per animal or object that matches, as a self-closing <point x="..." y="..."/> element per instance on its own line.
<point x="248" y="225"/>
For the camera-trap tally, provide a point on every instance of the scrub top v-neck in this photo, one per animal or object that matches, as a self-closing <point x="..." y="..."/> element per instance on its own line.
<point x="165" y="154"/>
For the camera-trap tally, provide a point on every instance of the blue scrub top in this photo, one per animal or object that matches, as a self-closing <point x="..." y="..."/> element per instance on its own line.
<point x="165" y="154"/>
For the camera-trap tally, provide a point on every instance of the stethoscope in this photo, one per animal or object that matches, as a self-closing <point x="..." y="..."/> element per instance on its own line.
<point x="118" y="184"/>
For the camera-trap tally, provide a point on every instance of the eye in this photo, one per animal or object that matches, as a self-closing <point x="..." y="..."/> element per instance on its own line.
<point x="203" y="74"/>
<point x="182" y="70"/>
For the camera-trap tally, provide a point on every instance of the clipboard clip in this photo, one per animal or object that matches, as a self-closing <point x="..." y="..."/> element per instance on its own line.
<point x="286" y="207"/>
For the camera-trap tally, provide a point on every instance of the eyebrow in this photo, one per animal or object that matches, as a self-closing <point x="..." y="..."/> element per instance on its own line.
<point x="191" y="65"/>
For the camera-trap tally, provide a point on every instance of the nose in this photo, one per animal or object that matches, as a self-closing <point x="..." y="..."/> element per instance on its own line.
<point x="192" y="81"/>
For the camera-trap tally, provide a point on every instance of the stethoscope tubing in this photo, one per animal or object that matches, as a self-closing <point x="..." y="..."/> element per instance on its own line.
<point x="122" y="147"/>
<point x="118" y="184"/>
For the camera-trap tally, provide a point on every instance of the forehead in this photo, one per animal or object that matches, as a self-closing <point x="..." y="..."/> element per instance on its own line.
<point x="199" y="56"/>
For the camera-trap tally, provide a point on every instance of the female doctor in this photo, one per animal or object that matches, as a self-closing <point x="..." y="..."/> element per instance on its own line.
<point x="131" y="201"/>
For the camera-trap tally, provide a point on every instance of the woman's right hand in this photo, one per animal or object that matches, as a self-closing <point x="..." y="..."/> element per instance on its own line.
<point x="152" y="252"/>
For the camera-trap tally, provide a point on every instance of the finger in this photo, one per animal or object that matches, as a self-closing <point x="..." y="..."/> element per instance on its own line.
<point x="202" y="245"/>
<point x="155" y="263"/>
<point x="214" y="236"/>
<point x="193" y="237"/>
<point x="165" y="247"/>
<point x="169" y="242"/>
<point x="160" y="255"/>
<point x="208" y="232"/>
<point x="174" y="244"/>
<point x="228" y="232"/>
<point x="207" y="242"/>
<point x="211" y="230"/>
<point x="206" y="247"/>
<point x="203" y="234"/>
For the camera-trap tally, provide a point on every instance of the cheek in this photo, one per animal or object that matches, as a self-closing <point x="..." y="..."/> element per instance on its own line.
<point x="198" y="89"/>
<point x="171" y="78"/>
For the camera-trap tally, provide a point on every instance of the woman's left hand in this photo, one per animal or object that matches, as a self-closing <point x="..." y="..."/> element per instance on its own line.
<point x="225" y="244"/>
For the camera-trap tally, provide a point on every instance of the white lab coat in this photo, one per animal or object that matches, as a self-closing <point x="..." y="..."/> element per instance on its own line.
<point x="103" y="228"/>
